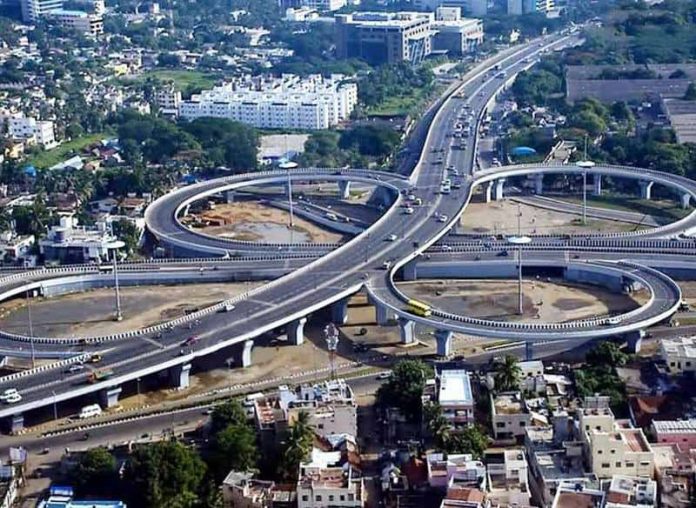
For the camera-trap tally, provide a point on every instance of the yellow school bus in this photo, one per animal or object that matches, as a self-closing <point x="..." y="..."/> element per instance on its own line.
<point x="419" y="308"/>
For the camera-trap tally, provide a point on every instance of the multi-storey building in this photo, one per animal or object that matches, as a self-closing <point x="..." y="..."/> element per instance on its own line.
<point x="289" y="102"/>
<point x="324" y="5"/>
<point x="470" y="7"/>
<point x="627" y="491"/>
<point x="679" y="354"/>
<point x="71" y="243"/>
<point x="517" y="7"/>
<point x="32" y="131"/>
<point x="455" y="398"/>
<point x="83" y="22"/>
<point x="681" y="432"/>
<point x="324" y="483"/>
<point x="32" y="10"/>
<point x="168" y="99"/>
<point x="613" y="447"/>
<point x="509" y="415"/>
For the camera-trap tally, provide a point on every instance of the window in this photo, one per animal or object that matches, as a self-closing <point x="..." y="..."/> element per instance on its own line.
<point x="618" y="464"/>
<point x="500" y="425"/>
<point x="599" y="452"/>
<point x="318" y="498"/>
<point x="305" y="498"/>
<point x="605" y="465"/>
<point x="613" y="452"/>
<point x="630" y="464"/>
<point x="331" y="497"/>
<point x="351" y="497"/>
<point x="522" y="424"/>
<point x="342" y="497"/>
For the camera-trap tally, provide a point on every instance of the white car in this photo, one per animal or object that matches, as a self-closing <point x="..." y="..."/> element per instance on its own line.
<point x="391" y="238"/>
<point x="10" y="396"/>
<point x="446" y="248"/>
<point x="408" y="211"/>
<point x="442" y="218"/>
<point x="384" y="375"/>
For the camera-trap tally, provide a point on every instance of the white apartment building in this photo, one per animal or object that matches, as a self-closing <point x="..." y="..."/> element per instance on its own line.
<point x="455" y="398"/>
<point x="32" y="10"/>
<point x="324" y="5"/>
<point x="322" y="483"/>
<point x="679" y="354"/>
<point x="32" y="131"/>
<point x="444" y="471"/>
<point x="627" y="491"/>
<point x="472" y="7"/>
<point x="71" y="243"/>
<point x="509" y="415"/>
<point x="289" y="102"/>
<point x="83" y="22"/>
<point x="613" y="447"/>
<point x="168" y="100"/>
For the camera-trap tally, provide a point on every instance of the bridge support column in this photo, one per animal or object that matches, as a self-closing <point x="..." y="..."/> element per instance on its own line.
<point x="339" y="312"/>
<point x="597" y="189"/>
<point x="528" y="351"/>
<point x="634" y="341"/>
<point x="407" y="330"/>
<point x="343" y="189"/>
<point x="296" y="331"/>
<point x="246" y="353"/>
<point x="646" y="189"/>
<point x="685" y="200"/>
<point x="539" y="184"/>
<point x="488" y="191"/>
<point x="444" y="342"/>
<point x="229" y="196"/>
<point x="383" y="314"/>
<point x="186" y="210"/>
<point x="409" y="270"/>
<point x="179" y="376"/>
<point x="381" y="196"/>
<point x="16" y="424"/>
<point x="108" y="397"/>
<point x="498" y="195"/>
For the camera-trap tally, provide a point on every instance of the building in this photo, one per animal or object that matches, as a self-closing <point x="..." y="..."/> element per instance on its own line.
<point x="444" y="471"/>
<point x="323" y="483"/>
<point x="390" y="37"/>
<point x="613" y="447"/>
<point x="71" y="243"/>
<point x="679" y="354"/>
<point x="15" y="248"/>
<point x="509" y="415"/>
<point x="63" y="497"/>
<point x="168" y="100"/>
<point x="324" y="5"/>
<point x="83" y="22"/>
<point x="384" y="37"/>
<point x="32" y="131"/>
<point x="241" y="490"/>
<point x="508" y="477"/>
<point x="289" y="102"/>
<point x="455" y="398"/>
<point x="675" y="473"/>
<point x="681" y="432"/>
<point x="469" y="7"/>
<point x="627" y="491"/>
<point x="32" y="10"/>
<point x="584" y="494"/>
<point x="330" y="406"/>
<point x="518" y="7"/>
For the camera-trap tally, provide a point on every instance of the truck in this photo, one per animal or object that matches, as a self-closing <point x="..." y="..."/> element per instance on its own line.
<point x="99" y="375"/>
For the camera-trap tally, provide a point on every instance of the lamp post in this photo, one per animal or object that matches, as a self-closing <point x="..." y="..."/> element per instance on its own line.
<point x="55" y="406"/>
<point x="31" y="333"/>
<point x="287" y="166"/>
<point x="119" y="314"/>
<point x="519" y="241"/>
<point x="584" y="165"/>
<point x="331" y="337"/>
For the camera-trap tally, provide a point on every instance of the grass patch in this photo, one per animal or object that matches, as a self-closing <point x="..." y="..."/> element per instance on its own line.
<point x="48" y="158"/>
<point x="186" y="81"/>
<point x="401" y="105"/>
<point x="663" y="209"/>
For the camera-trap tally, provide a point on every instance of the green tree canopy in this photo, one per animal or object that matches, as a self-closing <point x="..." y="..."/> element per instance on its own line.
<point x="95" y="473"/>
<point x="404" y="390"/>
<point x="508" y="374"/>
<point x="228" y="413"/>
<point x="296" y="447"/>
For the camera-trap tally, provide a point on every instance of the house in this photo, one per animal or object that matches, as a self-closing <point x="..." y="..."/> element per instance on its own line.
<point x="445" y="470"/>
<point x="322" y="482"/>
<point x="509" y="415"/>
<point x="241" y="490"/>
<point x="681" y="432"/>
<point x="626" y="491"/>
<point x="508" y="481"/>
<point x="455" y="398"/>
<point x="583" y="494"/>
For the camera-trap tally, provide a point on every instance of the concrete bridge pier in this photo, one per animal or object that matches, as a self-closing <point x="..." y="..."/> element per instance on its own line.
<point x="380" y="196"/>
<point x="539" y="184"/>
<point x="16" y="424"/>
<point x="597" y="189"/>
<point x="229" y="196"/>
<point x="108" y="397"/>
<point x="528" y="351"/>
<point x="343" y="189"/>
<point x="179" y="376"/>
<point x="246" y="353"/>
<point x="488" y="191"/>
<point x="186" y="210"/>
<point x="498" y="194"/>
<point x="444" y="342"/>
<point x="634" y="341"/>
<point x="407" y="330"/>
<point x="646" y="189"/>
<point x="339" y="311"/>
<point x="296" y="331"/>
<point x="685" y="200"/>
<point x="383" y="314"/>
<point x="409" y="270"/>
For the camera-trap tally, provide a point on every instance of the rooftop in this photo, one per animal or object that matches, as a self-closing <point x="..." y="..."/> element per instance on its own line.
<point x="684" y="347"/>
<point x="508" y="403"/>
<point x="387" y="19"/>
<point x="455" y="388"/>
<point x="675" y="426"/>
<point x="627" y="490"/>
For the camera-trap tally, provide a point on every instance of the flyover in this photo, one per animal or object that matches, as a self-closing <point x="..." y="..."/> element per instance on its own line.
<point x="328" y="280"/>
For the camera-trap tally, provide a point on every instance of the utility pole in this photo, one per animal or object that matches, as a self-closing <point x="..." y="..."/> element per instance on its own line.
<point x="584" y="165"/>
<point x="31" y="333"/>
<point x="119" y="314"/>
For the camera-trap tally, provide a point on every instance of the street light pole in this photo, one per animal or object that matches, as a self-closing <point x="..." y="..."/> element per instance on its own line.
<point x="119" y="314"/>
<point x="55" y="406"/>
<point x="519" y="241"/>
<point x="31" y="333"/>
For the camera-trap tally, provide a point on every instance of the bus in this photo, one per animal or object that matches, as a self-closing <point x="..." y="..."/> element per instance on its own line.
<point x="99" y="375"/>
<point x="419" y="308"/>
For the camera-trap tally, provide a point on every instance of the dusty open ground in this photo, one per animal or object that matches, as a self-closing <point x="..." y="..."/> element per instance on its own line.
<point x="554" y="301"/>
<point x="500" y="217"/>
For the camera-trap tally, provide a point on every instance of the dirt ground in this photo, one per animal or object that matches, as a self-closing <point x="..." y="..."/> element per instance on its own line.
<point x="238" y="215"/>
<point x="555" y="301"/>
<point x="500" y="217"/>
<point x="92" y="312"/>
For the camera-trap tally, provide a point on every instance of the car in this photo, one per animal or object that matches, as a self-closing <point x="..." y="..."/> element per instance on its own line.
<point x="10" y="396"/>
<point x="384" y="375"/>
<point x="77" y="367"/>
<point x="503" y="254"/>
<point x="391" y="238"/>
<point x="190" y="341"/>
<point x="95" y="358"/>
<point x="408" y="211"/>
<point x="386" y="265"/>
<point x="446" y="248"/>
<point x="442" y="218"/>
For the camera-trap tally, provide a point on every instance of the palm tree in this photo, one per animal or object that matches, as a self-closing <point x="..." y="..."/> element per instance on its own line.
<point x="438" y="426"/>
<point x="298" y="446"/>
<point x="508" y="375"/>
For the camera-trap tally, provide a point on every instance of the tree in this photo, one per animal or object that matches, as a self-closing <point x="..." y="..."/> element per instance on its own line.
<point x="297" y="446"/>
<point x="234" y="448"/>
<point x="508" y="374"/>
<point x="95" y="473"/>
<point x="607" y="353"/>
<point x="438" y="426"/>
<point x="163" y="475"/>
<point x="473" y="440"/>
<point x="128" y="233"/>
<point x="690" y="94"/>
<point x="404" y="390"/>
<point x="228" y="413"/>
